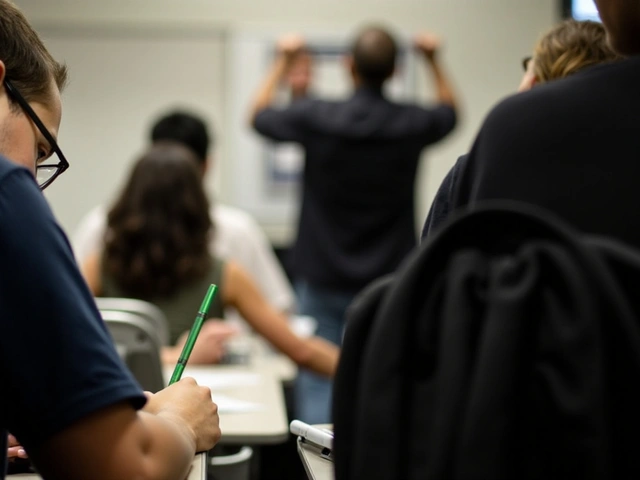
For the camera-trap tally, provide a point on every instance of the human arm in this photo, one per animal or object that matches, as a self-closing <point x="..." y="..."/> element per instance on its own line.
<point x="73" y="403"/>
<point x="289" y="46"/>
<point x="209" y="347"/>
<point x="156" y="443"/>
<point x="239" y="238"/>
<point x="91" y="271"/>
<point x="313" y="353"/>
<point x="429" y="45"/>
<point x="88" y="237"/>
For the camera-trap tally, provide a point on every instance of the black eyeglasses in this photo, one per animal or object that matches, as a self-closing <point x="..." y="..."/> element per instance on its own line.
<point x="46" y="173"/>
<point x="525" y="62"/>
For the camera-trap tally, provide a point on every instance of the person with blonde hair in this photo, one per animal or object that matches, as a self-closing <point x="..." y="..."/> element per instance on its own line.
<point x="570" y="146"/>
<point x="568" y="48"/>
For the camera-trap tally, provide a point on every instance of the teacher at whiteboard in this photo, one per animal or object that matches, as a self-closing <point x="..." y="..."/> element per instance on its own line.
<point x="361" y="155"/>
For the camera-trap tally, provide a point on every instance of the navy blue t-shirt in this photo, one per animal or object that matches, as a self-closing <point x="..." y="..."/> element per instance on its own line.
<point x="57" y="360"/>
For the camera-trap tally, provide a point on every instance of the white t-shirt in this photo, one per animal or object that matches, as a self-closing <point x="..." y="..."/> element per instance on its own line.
<point x="237" y="237"/>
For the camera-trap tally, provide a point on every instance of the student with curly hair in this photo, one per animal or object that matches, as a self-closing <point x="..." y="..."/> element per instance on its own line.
<point x="156" y="249"/>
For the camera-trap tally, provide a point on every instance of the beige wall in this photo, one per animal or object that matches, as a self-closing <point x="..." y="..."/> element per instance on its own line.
<point x="485" y="41"/>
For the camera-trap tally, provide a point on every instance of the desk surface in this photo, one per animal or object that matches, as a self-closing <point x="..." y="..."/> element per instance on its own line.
<point x="265" y="424"/>
<point x="198" y="470"/>
<point x="316" y="466"/>
<point x="262" y="355"/>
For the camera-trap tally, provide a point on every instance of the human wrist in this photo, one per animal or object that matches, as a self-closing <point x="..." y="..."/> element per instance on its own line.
<point x="283" y="64"/>
<point x="181" y="425"/>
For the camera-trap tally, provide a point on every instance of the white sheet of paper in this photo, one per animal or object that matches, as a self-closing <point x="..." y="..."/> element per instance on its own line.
<point x="223" y="380"/>
<point x="227" y="404"/>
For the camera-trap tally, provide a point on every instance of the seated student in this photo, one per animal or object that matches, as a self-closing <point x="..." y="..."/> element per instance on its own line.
<point x="66" y="395"/>
<point x="569" y="47"/>
<point x="238" y="237"/>
<point x="156" y="249"/>
<point x="573" y="149"/>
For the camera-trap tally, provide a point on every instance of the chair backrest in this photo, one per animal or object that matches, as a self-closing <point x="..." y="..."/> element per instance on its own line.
<point x="235" y="466"/>
<point x="144" y="309"/>
<point x="138" y="346"/>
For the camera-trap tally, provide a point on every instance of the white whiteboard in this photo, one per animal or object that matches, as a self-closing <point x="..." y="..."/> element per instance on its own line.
<point x="121" y="78"/>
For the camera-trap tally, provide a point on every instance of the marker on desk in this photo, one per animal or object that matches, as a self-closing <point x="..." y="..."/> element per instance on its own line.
<point x="311" y="434"/>
<point x="193" y="334"/>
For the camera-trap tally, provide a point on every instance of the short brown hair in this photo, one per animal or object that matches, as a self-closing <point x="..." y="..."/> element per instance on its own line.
<point x="29" y="65"/>
<point x="374" y="55"/>
<point x="571" y="46"/>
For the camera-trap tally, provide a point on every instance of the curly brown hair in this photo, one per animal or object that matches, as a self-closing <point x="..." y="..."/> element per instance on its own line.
<point x="29" y="65"/>
<point x="571" y="46"/>
<point x="159" y="228"/>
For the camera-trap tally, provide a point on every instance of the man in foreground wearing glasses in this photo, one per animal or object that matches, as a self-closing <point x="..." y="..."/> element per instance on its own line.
<point x="67" y="396"/>
<point x="569" y="47"/>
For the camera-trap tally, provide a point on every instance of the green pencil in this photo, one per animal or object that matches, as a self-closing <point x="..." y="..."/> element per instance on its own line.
<point x="193" y="334"/>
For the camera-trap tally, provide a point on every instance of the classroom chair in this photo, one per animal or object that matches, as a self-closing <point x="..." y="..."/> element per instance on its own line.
<point x="144" y="309"/>
<point x="138" y="345"/>
<point x="233" y="466"/>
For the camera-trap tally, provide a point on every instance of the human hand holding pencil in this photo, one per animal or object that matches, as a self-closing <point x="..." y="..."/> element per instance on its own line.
<point x="210" y="346"/>
<point x="184" y="402"/>
<point x="193" y="334"/>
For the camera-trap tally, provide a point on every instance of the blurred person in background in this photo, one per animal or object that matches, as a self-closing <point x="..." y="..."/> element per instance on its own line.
<point x="238" y="236"/>
<point x="567" y="48"/>
<point x="361" y="155"/>
<point x="157" y="249"/>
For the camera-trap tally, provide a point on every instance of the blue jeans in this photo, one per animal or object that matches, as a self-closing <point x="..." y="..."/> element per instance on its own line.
<point x="313" y="392"/>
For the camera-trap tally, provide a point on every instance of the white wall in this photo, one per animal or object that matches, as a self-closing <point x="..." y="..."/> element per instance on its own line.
<point x="485" y="41"/>
<point x="122" y="79"/>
